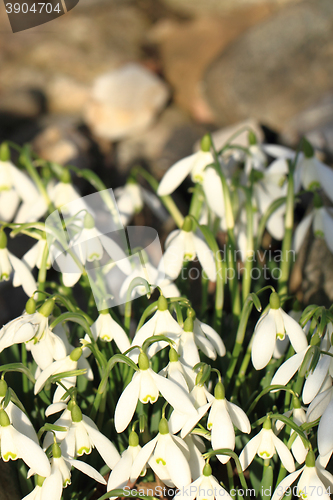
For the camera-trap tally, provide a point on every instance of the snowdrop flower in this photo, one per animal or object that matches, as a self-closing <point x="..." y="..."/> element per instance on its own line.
<point x="312" y="173"/>
<point x="273" y="325"/>
<point x="107" y="329"/>
<point x="8" y="263"/>
<point x="265" y="444"/>
<point x="69" y="363"/>
<point x="175" y="371"/>
<point x="315" y="482"/>
<point x="131" y="198"/>
<point x="14" y="445"/>
<point x="183" y="244"/>
<point x="15" y="186"/>
<point x="194" y="164"/>
<point x="321" y="219"/>
<point x="206" y="338"/>
<point x="222" y="417"/>
<point x="34" y="256"/>
<point x="161" y="323"/>
<point x="196" y="448"/>
<point x="65" y="196"/>
<point x="299" y="417"/>
<point x="120" y="474"/>
<point x="145" y="386"/>
<point x="32" y="328"/>
<point x="167" y="455"/>
<point x="83" y="435"/>
<point x="205" y="487"/>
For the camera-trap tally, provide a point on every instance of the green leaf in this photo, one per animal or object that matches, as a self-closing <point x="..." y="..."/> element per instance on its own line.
<point x="18" y="367"/>
<point x="266" y="484"/>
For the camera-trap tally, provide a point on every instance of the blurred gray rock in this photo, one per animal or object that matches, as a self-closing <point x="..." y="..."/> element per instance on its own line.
<point x="277" y="69"/>
<point x="125" y="102"/>
<point x="198" y="7"/>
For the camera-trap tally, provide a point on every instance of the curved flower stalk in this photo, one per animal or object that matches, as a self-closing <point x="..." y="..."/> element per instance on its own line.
<point x="315" y="482"/>
<point x="21" y="273"/>
<point x="32" y="328"/>
<point x="146" y="386"/>
<point x="206" y="486"/>
<point x="120" y="474"/>
<point x="14" y="445"/>
<point x="183" y="244"/>
<point x="272" y="326"/>
<point x="60" y="477"/>
<point x="167" y="455"/>
<point x="265" y="444"/>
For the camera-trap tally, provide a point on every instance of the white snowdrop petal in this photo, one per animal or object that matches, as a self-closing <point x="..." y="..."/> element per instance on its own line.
<point x="177" y="465"/>
<point x="212" y="187"/>
<point x="86" y="469"/>
<point x="315" y="379"/>
<point x="326" y="179"/>
<point x="189" y="492"/>
<point x="299" y="451"/>
<point x="105" y="448"/>
<point x="239" y="418"/>
<point x="285" y="484"/>
<point x="222" y="434"/>
<point x="190" y="422"/>
<point x="52" y="486"/>
<point x="172" y="260"/>
<point x="284" y="454"/>
<point x="263" y="342"/>
<point x="301" y="231"/>
<point x="21" y="422"/>
<point x="22" y="275"/>
<point x="318" y="406"/>
<point x="126" y="404"/>
<point x="120" y="474"/>
<point x="31" y="453"/>
<point x="295" y="332"/>
<point x="325" y="431"/>
<point x="205" y="256"/>
<point x="175" y="175"/>
<point x="142" y="458"/>
<point x="249" y="451"/>
<point x="214" y="338"/>
<point x="288" y="369"/>
<point x="55" y="408"/>
<point x="221" y="493"/>
<point x="175" y="396"/>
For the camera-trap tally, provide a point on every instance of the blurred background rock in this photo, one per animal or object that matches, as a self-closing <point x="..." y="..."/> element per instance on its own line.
<point x="116" y="83"/>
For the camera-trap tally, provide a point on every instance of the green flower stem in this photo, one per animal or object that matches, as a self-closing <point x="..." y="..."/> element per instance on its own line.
<point x="231" y="245"/>
<point x="196" y="201"/>
<point x="128" y="306"/>
<point x="166" y="200"/>
<point x="230" y="477"/>
<point x="246" y="284"/>
<point x="24" y="359"/>
<point x="287" y="240"/>
<point x="42" y="272"/>
<point x="239" y="339"/>
<point x="232" y="454"/>
<point x="28" y="164"/>
<point x="266" y="391"/>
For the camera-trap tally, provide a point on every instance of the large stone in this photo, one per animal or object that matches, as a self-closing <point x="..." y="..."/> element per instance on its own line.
<point x="125" y="102"/>
<point x="188" y="47"/>
<point x="199" y="7"/>
<point x="276" y="69"/>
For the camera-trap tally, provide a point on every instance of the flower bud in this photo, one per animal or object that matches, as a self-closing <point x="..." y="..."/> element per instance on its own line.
<point x="4" y="419"/>
<point x="143" y="361"/>
<point x="65" y="176"/>
<point x="206" y="143"/>
<point x="3" y="388"/>
<point x="133" y="439"/>
<point x="56" y="451"/>
<point x="307" y="148"/>
<point x="4" y="152"/>
<point x="296" y="402"/>
<point x="76" y="354"/>
<point x="252" y="138"/>
<point x="207" y="470"/>
<point x="76" y="413"/>
<point x="274" y="301"/>
<point x="188" y="325"/>
<point x="89" y="221"/>
<point x="162" y="303"/>
<point x="310" y="460"/>
<point x="267" y="424"/>
<point x="219" y="391"/>
<point x="163" y="427"/>
<point x="30" y="306"/>
<point x="39" y="480"/>
<point x="191" y="313"/>
<point x="3" y="240"/>
<point x="47" y="308"/>
<point x="187" y="224"/>
<point x="173" y="355"/>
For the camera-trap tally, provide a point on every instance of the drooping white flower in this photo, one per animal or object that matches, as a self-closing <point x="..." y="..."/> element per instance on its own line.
<point x="107" y="329"/>
<point x="299" y="417"/>
<point x="205" y="487"/>
<point x="315" y="482"/>
<point x="184" y="244"/>
<point x="321" y="219"/>
<point x="265" y="444"/>
<point x="34" y="256"/>
<point x="167" y="455"/>
<point x="275" y="324"/>
<point x="14" y="445"/>
<point x="161" y="323"/>
<point x="222" y="418"/>
<point x="311" y="173"/>
<point x="83" y="435"/>
<point x="9" y="263"/>
<point x="120" y="474"/>
<point x="32" y="328"/>
<point x="146" y="386"/>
